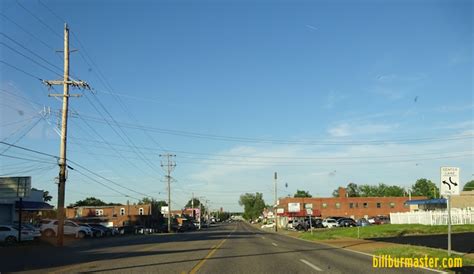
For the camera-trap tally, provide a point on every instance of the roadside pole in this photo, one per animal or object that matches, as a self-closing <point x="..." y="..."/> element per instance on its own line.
<point x="449" y="186"/>
<point x="310" y="224"/>
<point x="449" y="225"/>
<point x="275" y="206"/>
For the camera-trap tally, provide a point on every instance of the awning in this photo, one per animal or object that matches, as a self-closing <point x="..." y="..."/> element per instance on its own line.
<point x="426" y="202"/>
<point x="33" y="206"/>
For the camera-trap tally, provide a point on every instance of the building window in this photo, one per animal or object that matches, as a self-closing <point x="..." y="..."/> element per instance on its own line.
<point x="379" y="205"/>
<point x="351" y="205"/>
<point x="140" y="211"/>
<point x="366" y="205"/>
<point x="324" y="205"/>
<point x="99" y="212"/>
<point x="338" y="205"/>
<point x="356" y="205"/>
<point x="392" y="205"/>
<point x="122" y="211"/>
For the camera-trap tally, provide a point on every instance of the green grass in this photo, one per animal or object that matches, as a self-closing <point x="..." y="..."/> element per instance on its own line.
<point x="408" y="251"/>
<point x="378" y="231"/>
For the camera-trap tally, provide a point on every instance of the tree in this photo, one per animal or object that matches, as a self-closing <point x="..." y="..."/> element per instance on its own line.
<point x="424" y="187"/>
<point x="253" y="205"/>
<point x="302" y="194"/>
<point x="155" y="205"/>
<point x="380" y="190"/>
<point x="90" y="201"/>
<point x="46" y="196"/>
<point x="352" y="190"/>
<point x="469" y="186"/>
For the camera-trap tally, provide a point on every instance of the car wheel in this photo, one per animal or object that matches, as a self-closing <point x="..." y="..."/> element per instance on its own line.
<point x="81" y="234"/>
<point x="10" y="240"/>
<point x="48" y="233"/>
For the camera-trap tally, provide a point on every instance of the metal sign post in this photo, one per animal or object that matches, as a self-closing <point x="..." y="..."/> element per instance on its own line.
<point x="449" y="186"/>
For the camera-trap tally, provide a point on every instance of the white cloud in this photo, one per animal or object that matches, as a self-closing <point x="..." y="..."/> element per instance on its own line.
<point x="345" y="129"/>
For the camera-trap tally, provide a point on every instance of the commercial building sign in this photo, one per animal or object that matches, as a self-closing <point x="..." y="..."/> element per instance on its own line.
<point x="293" y="207"/>
<point x="14" y="187"/>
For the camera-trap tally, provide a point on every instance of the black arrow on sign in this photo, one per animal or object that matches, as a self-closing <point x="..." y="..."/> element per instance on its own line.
<point x="454" y="183"/>
<point x="444" y="182"/>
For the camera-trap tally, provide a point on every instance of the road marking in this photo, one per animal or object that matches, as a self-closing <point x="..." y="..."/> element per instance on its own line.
<point x="274" y="244"/>
<point x="311" y="265"/>
<point x="263" y="237"/>
<point x="209" y="255"/>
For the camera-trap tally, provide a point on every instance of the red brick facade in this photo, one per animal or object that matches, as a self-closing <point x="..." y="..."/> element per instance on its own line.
<point x="118" y="215"/>
<point x="355" y="207"/>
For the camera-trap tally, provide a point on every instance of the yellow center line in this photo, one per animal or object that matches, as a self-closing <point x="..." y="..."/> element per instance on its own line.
<point x="213" y="250"/>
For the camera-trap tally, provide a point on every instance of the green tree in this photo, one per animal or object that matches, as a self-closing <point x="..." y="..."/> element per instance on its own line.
<point x="155" y="205"/>
<point x="90" y="201"/>
<point x="468" y="186"/>
<point x="302" y="194"/>
<point x="46" y="196"/>
<point x="424" y="187"/>
<point x="352" y="190"/>
<point x="253" y="205"/>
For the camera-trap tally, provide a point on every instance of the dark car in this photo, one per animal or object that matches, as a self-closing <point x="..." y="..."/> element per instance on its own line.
<point x="347" y="222"/>
<point x="336" y="217"/>
<point x="315" y="222"/>
<point x="107" y="231"/>
<point x="96" y="232"/>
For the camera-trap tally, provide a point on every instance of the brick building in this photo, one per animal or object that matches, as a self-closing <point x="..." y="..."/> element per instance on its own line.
<point x="117" y="215"/>
<point x="354" y="207"/>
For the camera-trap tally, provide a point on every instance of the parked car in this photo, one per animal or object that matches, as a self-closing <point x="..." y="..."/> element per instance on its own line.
<point x="379" y="220"/>
<point x="96" y="232"/>
<point x="330" y="223"/>
<point x="347" y="222"/>
<point x="9" y="234"/>
<point x="29" y="227"/>
<point x="49" y="229"/>
<point x="315" y="222"/>
<point x="107" y="231"/>
<point x="268" y="225"/>
<point x="363" y="222"/>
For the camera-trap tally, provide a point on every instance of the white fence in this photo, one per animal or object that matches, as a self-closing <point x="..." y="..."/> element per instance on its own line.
<point x="458" y="217"/>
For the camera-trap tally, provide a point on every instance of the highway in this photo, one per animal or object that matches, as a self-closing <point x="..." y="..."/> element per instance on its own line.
<point x="225" y="248"/>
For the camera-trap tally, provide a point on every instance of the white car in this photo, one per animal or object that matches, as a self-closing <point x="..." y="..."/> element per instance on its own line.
<point x="9" y="235"/>
<point x="49" y="229"/>
<point x="330" y="223"/>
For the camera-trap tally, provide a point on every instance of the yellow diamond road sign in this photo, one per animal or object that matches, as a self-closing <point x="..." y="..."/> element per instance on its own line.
<point x="449" y="181"/>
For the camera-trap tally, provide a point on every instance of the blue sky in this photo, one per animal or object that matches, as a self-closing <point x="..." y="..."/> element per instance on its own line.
<point x="310" y="85"/>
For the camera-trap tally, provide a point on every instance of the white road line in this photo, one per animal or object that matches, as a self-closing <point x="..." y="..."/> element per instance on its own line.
<point x="311" y="265"/>
<point x="274" y="244"/>
<point x="263" y="237"/>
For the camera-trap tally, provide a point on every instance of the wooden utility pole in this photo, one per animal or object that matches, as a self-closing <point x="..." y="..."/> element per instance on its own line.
<point x="168" y="167"/>
<point x="66" y="82"/>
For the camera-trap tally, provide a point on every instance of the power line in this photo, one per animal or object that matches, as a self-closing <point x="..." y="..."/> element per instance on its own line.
<point x="31" y="59"/>
<point x="281" y="141"/>
<point x="20" y="70"/>
<point x="75" y="163"/>
<point x="27" y="32"/>
<point x="39" y="20"/>
<point x="30" y="51"/>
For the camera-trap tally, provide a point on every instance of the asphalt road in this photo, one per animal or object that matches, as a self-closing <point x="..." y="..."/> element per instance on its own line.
<point x="226" y="248"/>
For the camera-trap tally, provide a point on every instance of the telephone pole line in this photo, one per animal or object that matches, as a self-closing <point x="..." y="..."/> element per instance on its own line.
<point x="65" y="82"/>
<point x="168" y="167"/>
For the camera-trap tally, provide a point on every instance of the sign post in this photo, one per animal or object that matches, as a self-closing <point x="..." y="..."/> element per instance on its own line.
<point x="309" y="211"/>
<point x="449" y="186"/>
